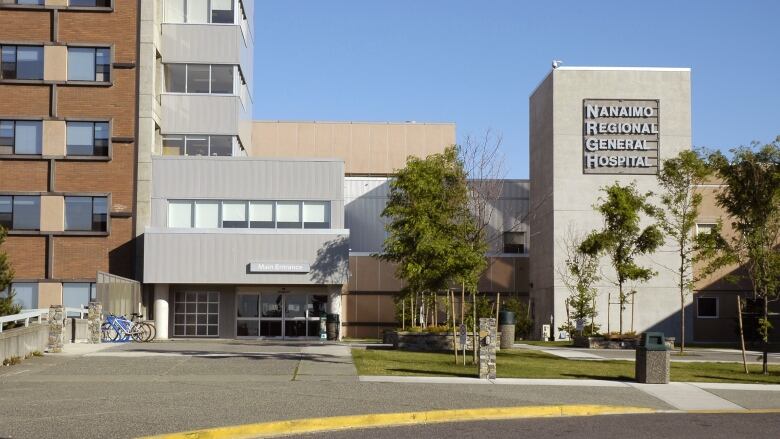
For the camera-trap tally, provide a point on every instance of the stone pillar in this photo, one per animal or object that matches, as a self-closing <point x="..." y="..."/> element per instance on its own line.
<point x="94" y="320"/>
<point x="56" y="328"/>
<point x="487" y="348"/>
<point x="161" y="297"/>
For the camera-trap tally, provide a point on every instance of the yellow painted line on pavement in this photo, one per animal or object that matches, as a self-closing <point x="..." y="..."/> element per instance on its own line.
<point x="313" y="425"/>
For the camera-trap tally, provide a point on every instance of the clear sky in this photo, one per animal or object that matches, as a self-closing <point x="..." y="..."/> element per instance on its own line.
<point x="476" y="62"/>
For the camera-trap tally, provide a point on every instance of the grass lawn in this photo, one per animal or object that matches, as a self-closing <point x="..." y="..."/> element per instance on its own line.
<point x="535" y="364"/>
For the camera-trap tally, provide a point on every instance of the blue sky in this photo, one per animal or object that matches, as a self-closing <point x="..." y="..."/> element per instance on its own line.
<point x="476" y="62"/>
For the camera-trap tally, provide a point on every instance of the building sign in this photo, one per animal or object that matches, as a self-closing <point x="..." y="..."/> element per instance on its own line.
<point x="620" y="136"/>
<point x="278" y="267"/>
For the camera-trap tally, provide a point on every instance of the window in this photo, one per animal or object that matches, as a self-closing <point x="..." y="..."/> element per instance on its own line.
<point x="705" y="228"/>
<point x="707" y="307"/>
<point x="89" y="64"/>
<point x="86" y="214"/>
<point x="207" y="214"/>
<point x="196" y="313"/>
<point x="231" y="214"/>
<point x="514" y="242"/>
<point x="261" y="215"/>
<point x="21" y="136"/>
<point x="180" y="214"/>
<point x="20" y="212"/>
<point x="316" y="215"/>
<point x="25" y="294"/>
<point x="199" y="11"/>
<point x="288" y="215"/>
<point x="194" y="145"/>
<point x="21" y="62"/>
<point x="199" y="78"/>
<point x="234" y="214"/>
<point x="77" y="294"/>
<point x="28" y="2"/>
<point x="91" y="3"/>
<point x="87" y="138"/>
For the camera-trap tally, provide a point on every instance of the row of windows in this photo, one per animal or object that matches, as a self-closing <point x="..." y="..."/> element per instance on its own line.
<point x="74" y="294"/>
<point x="23" y="212"/>
<point x="26" y="137"/>
<point x="212" y="214"/>
<point x="199" y="78"/>
<point x="80" y="3"/>
<point x="84" y="63"/>
<point x="199" y="11"/>
<point x="198" y="145"/>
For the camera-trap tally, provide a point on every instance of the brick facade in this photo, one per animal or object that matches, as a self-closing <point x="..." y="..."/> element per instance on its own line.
<point x="76" y="256"/>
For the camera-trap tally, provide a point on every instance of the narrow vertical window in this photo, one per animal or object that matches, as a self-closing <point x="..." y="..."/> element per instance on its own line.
<point x="29" y="62"/>
<point x="176" y="78"/>
<point x="6" y="211"/>
<point x="6" y="137"/>
<point x="27" y="213"/>
<point x="8" y="62"/>
<point x="180" y="214"/>
<point x="222" y="11"/>
<point x="207" y="214"/>
<point x="29" y="137"/>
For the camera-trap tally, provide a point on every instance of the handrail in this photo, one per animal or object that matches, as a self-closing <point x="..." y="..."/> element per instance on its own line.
<point x="28" y="314"/>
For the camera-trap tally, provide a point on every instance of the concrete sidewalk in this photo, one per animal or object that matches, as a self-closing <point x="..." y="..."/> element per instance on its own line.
<point x="145" y="389"/>
<point x="695" y="355"/>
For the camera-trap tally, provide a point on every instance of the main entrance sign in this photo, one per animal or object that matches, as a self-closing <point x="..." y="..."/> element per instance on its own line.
<point x="277" y="267"/>
<point x="620" y="136"/>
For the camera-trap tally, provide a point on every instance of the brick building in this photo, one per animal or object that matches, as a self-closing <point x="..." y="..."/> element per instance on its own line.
<point x="68" y="120"/>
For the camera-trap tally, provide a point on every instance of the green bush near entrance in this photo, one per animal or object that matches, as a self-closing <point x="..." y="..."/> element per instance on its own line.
<point x="535" y="364"/>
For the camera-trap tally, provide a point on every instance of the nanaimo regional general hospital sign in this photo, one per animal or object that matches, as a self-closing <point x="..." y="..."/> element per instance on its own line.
<point x="620" y="136"/>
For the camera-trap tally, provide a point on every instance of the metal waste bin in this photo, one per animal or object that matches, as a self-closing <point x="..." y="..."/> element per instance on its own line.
<point x="332" y="323"/>
<point x="652" y="359"/>
<point x="506" y="326"/>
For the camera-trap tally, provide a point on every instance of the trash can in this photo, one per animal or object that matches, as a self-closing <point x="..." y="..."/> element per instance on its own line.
<point x="652" y="359"/>
<point x="506" y="326"/>
<point x="332" y="323"/>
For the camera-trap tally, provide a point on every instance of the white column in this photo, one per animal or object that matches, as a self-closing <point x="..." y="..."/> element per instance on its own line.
<point x="161" y="297"/>
<point x="334" y="305"/>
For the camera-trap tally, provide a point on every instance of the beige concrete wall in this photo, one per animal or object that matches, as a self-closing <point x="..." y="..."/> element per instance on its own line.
<point x="366" y="148"/>
<point x="54" y="138"/>
<point x="55" y="63"/>
<point x="49" y="293"/>
<point x="573" y="193"/>
<point x="56" y="2"/>
<point x="52" y="213"/>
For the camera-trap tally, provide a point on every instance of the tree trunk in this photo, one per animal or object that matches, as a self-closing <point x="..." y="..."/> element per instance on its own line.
<point x="620" y="306"/>
<point x="474" y="335"/>
<point x="682" y="302"/>
<point x="766" y="335"/>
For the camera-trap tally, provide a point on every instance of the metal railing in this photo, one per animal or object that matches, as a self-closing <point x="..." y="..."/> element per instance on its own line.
<point x="27" y="314"/>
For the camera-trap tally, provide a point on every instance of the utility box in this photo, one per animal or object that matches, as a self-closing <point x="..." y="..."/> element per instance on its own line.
<point x="653" y="361"/>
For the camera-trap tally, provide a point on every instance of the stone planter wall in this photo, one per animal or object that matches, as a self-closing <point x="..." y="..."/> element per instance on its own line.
<point x="421" y="341"/>
<point x="603" y="343"/>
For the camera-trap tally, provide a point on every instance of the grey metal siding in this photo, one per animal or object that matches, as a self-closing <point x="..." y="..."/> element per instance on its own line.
<point x="200" y="114"/>
<point x="222" y="256"/>
<point x="201" y="43"/>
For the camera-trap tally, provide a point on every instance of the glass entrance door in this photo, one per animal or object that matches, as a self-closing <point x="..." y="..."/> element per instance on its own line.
<point x="279" y="315"/>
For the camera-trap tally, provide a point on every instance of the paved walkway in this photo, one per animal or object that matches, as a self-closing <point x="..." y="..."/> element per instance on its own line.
<point x="696" y="355"/>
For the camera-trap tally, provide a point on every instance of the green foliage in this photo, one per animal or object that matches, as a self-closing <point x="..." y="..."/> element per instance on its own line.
<point x="622" y="239"/>
<point x="523" y="322"/>
<point x="678" y="179"/>
<point x="751" y="198"/>
<point x="579" y="274"/>
<point x="7" y="306"/>
<point x="428" y="223"/>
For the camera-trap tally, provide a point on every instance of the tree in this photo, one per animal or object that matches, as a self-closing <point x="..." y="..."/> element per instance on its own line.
<point x="7" y="305"/>
<point x="622" y="238"/>
<point x="579" y="272"/>
<point x="428" y="218"/>
<point x="678" y="179"/>
<point x="751" y="197"/>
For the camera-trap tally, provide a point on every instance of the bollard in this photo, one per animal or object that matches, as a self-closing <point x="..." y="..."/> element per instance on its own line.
<point x="56" y="328"/>
<point x="94" y="319"/>
<point x="506" y="322"/>
<point x="487" y="348"/>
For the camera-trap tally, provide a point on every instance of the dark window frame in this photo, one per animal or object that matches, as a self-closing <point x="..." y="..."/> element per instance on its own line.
<point x="514" y="248"/>
<point x="186" y="79"/>
<point x="717" y="308"/>
<point x="9" y="225"/>
<point x="108" y="75"/>
<point x="103" y="218"/>
<point x="106" y="147"/>
<point x="16" y="62"/>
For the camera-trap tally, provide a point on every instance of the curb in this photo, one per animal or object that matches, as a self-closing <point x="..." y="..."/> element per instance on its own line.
<point x="315" y="425"/>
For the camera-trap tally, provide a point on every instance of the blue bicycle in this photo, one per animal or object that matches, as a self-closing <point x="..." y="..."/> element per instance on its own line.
<point x="120" y="329"/>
